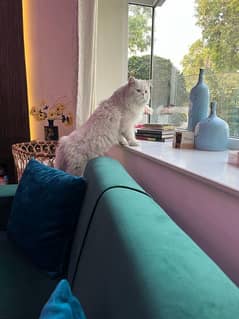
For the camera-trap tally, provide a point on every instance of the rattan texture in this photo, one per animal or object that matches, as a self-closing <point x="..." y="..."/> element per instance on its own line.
<point x="42" y="151"/>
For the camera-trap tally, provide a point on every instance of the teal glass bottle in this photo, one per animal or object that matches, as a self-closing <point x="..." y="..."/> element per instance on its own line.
<point x="198" y="102"/>
<point x="212" y="133"/>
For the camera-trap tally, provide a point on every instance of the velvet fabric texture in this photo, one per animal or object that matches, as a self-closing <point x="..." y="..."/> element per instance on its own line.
<point x="7" y="193"/>
<point x="24" y="287"/>
<point x="44" y="214"/>
<point x="62" y="304"/>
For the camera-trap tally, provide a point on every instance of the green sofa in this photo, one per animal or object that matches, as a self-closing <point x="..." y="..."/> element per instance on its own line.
<point x="128" y="260"/>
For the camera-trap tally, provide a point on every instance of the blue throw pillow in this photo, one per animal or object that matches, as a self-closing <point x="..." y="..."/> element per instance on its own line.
<point x="44" y="214"/>
<point x="62" y="304"/>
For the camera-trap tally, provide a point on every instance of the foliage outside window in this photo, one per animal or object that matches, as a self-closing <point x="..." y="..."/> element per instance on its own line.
<point x="216" y="50"/>
<point x="140" y="24"/>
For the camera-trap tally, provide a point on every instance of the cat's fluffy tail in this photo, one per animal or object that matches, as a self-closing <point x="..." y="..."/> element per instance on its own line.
<point x="60" y="161"/>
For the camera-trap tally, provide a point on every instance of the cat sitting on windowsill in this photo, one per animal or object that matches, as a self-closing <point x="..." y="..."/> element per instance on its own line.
<point x="112" y="122"/>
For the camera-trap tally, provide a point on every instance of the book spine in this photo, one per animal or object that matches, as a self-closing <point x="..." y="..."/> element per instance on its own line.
<point x="159" y="133"/>
<point x="155" y="133"/>
<point x="148" y="138"/>
<point x="158" y="127"/>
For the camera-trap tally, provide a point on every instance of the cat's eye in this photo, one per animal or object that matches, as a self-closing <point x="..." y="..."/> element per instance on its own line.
<point x="138" y="90"/>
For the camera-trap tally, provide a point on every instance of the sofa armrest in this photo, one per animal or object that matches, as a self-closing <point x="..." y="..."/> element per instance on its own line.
<point x="7" y="193"/>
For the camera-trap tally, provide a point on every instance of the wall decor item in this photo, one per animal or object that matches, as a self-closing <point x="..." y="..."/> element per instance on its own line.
<point x="212" y="133"/>
<point x="56" y="112"/>
<point x="199" y="102"/>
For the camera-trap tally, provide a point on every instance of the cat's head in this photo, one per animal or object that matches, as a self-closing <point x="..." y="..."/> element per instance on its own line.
<point x="139" y="91"/>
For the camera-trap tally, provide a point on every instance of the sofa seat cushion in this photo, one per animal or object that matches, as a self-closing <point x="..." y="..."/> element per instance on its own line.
<point x="7" y="193"/>
<point x="24" y="289"/>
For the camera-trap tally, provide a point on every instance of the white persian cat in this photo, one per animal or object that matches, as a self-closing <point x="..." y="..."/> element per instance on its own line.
<point x="112" y="122"/>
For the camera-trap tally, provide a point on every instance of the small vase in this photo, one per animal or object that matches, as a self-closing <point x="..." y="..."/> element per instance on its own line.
<point x="51" y="131"/>
<point x="199" y="101"/>
<point x="211" y="134"/>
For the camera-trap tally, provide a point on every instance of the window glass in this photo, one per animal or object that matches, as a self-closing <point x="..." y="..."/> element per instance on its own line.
<point x="139" y="50"/>
<point x="140" y="41"/>
<point x="187" y="35"/>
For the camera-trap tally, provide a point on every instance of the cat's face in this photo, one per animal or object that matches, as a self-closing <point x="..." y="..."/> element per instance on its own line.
<point x="139" y="91"/>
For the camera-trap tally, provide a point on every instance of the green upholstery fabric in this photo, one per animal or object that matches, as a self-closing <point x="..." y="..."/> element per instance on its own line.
<point x="111" y="173"/>
<point x="137" y="263"/>
<point x="7" y="193"/>
<point x="101" y="173"/>
<point x="23" y="288"/>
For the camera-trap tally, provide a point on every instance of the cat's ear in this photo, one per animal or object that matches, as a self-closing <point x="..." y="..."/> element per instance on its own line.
<point x="131" y="81"/>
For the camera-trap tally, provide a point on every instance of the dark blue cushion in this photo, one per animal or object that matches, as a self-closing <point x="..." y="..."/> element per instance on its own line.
<point x="44" y="214"/>
<point x="62" y="304"/>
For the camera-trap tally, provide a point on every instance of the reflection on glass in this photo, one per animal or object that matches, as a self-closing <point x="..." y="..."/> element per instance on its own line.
<point x="187" y="35"/>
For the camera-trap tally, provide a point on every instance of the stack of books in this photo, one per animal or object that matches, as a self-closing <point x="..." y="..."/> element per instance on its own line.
<point x="155" y="132"/>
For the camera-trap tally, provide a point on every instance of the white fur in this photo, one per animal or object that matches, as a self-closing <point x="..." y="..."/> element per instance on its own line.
<point x="112" y="122"/>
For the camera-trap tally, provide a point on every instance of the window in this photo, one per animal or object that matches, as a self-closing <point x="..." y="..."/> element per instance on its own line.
<point x="187" y="36"/>
<point x="140" y="41"/>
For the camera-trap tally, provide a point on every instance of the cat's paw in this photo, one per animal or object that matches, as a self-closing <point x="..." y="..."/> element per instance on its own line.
<point x="133" y="143"/>
<point x="148" y="110"/>
<point x="123" y="141"/>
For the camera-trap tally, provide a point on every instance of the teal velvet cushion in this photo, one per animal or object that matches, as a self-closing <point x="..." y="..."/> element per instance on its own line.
<point x="44" y="214"/>
<point x="62" y="304"/>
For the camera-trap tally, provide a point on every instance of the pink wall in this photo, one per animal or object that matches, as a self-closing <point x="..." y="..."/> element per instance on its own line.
<point x="51" y="56"/>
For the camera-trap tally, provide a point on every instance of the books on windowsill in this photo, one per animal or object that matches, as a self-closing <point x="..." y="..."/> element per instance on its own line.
<point x="155" y="132"/>
<point x="156" y="126"/>
<point x="152" y="138"/>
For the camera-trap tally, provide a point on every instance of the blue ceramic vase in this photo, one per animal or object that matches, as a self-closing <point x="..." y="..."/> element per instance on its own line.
<point x="211" y="134"/>
<point x="198" y="102"/>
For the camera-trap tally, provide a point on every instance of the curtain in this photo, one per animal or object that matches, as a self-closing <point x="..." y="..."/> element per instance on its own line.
<point x="87" y="39"/>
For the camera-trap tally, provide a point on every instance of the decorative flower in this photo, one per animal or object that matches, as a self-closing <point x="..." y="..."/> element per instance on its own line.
<point x="54" y="112"/>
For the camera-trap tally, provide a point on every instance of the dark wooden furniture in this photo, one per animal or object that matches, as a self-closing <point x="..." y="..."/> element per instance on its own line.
<point x="14" y="121"/>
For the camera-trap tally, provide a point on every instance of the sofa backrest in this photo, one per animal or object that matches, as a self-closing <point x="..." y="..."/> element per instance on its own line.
<point x="102" y="174"/>
<point x="135" y="262"/>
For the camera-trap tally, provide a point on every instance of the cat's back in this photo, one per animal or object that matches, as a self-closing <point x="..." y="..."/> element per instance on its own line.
<point x="105" y="119"/>
<point x="67" y="148"/>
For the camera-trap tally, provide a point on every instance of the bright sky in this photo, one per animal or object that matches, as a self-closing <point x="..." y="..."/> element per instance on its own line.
<point x="175" y="30"/>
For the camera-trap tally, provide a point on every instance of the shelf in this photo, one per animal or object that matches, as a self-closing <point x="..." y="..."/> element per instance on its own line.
<point x="209" y="167"/>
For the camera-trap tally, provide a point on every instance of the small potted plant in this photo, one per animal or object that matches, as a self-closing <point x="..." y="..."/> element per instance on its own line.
<point x="56" y="112"/>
